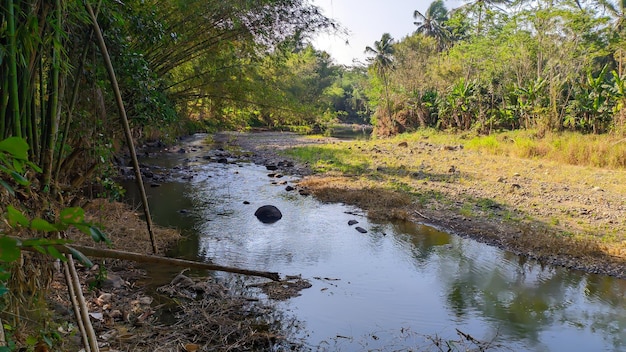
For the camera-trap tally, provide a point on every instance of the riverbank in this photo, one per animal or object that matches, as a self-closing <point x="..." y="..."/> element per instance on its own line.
<point x="559" y="214"/>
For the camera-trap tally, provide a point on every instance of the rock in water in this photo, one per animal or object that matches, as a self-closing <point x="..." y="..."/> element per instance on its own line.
<point x="268" y="214"/>
<point x="360" y="229"/>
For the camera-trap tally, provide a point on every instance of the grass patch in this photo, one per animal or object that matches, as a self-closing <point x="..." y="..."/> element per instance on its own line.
<point x="331" y="158"/>
<point x="467" y="209"/>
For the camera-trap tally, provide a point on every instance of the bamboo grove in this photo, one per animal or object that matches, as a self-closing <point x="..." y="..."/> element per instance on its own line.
<point x="491" y="65"/>
<point x="170" y="57"/>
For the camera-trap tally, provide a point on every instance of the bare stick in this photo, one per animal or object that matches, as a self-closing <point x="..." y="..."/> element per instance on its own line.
<point x="84" y="312"/>
<point x="75" y="305"/>
<point x="153" y="259"/>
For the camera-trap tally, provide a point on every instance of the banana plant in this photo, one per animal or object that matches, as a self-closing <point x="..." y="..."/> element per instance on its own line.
<point x="460" y="105"/>
<point x="592" y="108"/>
<point x="618" y="91"/>
<point x="528" y="100"/>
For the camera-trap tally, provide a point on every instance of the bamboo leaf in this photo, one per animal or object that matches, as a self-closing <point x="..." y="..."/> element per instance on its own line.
<point x="43" y="242"/>
<point x="80" y="257"/>
<point x="83" y="228"/>
<point x="34" y="166"/>
<point x="19" y="178"/>
<point x="98" y="235"/>
<point x="15" y="146"/>
<point x="9" y="251"/>
<point x="18" y="165"/>
<point x="42" y="225"/>
<point x="55" y="253"/>
<point x="7" y="187"/>
<point x="15" y="217"/>
<point x="72" y="215"/>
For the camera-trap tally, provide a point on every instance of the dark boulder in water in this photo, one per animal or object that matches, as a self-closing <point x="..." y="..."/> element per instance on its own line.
<point x="268" y="214"/>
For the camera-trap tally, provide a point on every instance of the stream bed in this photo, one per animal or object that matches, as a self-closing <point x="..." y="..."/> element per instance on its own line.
<point x="400" y="286"/>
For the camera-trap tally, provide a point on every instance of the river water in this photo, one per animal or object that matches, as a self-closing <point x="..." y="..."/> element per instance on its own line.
<point x="397" y="287"/>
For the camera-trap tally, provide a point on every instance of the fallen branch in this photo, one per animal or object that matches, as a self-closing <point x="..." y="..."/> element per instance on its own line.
<point x="143" y="258"/>
<point x="422" y="215"/>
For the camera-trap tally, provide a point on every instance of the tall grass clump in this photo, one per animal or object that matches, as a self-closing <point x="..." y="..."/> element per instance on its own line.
<point x="488" y="143"/>
<point x="574" y="148"/>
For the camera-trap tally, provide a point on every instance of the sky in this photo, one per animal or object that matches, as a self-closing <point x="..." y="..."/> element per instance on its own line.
<point x="367" y="20"/>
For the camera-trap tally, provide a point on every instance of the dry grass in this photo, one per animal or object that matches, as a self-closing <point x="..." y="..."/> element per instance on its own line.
<point x="605" y="151"/>
<point x="124" y="227"/>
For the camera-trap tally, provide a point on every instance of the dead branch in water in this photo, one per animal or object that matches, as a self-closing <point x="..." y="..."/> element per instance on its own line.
<point x="153" y="259"/>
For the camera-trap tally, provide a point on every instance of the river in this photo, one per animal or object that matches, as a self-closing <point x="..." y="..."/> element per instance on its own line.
<point x="400" y="286"/>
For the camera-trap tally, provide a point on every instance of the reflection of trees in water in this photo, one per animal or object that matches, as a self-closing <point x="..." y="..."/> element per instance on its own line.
<point x="423" y="240"/>
<point x="524" y="298"/>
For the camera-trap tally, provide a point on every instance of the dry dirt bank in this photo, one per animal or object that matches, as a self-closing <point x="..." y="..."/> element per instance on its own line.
<point x="560" y="214"/>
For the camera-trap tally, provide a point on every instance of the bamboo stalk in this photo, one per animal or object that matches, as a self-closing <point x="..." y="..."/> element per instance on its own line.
<point x="127" y="132"/>
<point x="4" y="104"/>
<point x="54" y="100"/>
<point x="73" y="98"/>
<point x="12" y="58"/>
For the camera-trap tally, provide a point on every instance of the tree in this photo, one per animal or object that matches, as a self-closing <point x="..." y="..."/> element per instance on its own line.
<point x="617" y="10"/>
<point x="433" y="23"/>
<point x="482" y="7"/>
<point x="383" y="64"/>
<point x="208" y="49"/>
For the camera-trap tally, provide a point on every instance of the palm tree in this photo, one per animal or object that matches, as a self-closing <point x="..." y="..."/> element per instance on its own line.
<point x="480" y="6"/>
<point x="617" y="10"/>
<point x="432" y="22"/>
<point x="383" y="63"/>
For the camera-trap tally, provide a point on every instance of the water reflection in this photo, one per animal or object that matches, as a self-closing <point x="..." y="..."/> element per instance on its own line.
<point x="396" y="278"/>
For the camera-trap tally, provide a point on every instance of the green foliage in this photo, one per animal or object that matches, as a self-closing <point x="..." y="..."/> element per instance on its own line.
<point x="329" y="158"/>
<point x="101" y="276"/>
<point x="14" y="158"/>
<point x="13" y="161"/>
<point x="541" y="67"/>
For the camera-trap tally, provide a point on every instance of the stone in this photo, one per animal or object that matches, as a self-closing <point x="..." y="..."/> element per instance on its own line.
<point x="289" y="188"/>
<point x="352" y="222"/>
<point x="403" y="144"/>
<point x="360" y="229"/>
<point x="268" y="214"/>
